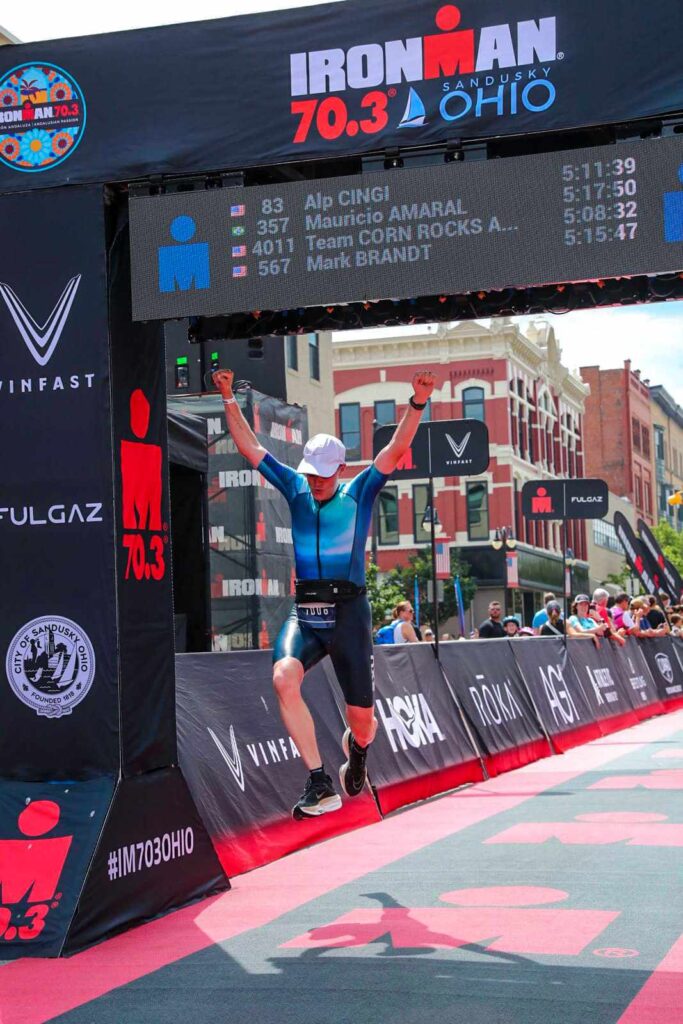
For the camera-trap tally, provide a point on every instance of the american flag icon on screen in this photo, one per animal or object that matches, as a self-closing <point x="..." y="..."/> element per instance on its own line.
<point x="239" y="271"/>
<point x="238" y="251"/>
<point x="237" y="211"/>
<point x="443" y="561"/>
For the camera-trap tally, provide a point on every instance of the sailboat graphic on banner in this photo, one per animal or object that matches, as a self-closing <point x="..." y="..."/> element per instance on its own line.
<point x="415" y="115"/>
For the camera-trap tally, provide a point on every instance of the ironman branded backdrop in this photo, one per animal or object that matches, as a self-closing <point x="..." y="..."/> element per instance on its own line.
<point x="328" y="80"/>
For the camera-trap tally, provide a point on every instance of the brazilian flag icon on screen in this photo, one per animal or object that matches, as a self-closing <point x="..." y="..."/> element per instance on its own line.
<point x="237" y="231"/>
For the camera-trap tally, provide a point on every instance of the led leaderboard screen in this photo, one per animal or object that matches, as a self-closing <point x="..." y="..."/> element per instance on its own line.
<point x="577" y="215"/>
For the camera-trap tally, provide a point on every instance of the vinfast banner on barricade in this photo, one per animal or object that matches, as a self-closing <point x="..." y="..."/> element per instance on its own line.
<point x="243" y="769"/>
<point x="605" y="690"/>
<point x="421" y="747"/>
<point x="58" y="629"/>
<point x="556" y="692"/>
<point x="666" y="668"/>
<point x="485" y="679"/>
<point x="328" y="81"/>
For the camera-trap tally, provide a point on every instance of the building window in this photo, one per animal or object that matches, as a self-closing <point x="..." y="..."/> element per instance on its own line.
<point x="605" y="536"/>
<point x="420" y="502"/>
<point x="663" y="496"/>
<point x="473" y="404"/>
<point x="349" y="428"/>
<point x="477" y="512"/>
<point x="388" y="516"/>
<point x="647" y="494"/>
<point x="645" y="440"/>
<point x="292" y="347"/>
<point x="314" y="356"/>
<point x="385" y="413"/>
<point x="635" y="430"/>
<point x="639" y="492"/>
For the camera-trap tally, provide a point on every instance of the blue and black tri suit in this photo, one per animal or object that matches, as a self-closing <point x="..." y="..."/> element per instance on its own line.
<point x="329" y="544"/>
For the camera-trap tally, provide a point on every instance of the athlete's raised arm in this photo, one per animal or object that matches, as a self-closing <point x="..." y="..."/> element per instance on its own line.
<point x="390" y="456"/>
<point x="245" y="439"/>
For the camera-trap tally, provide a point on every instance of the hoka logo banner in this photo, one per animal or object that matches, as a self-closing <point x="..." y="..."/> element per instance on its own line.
<point x="449" y="52"/>
<point x="408" y="721"/>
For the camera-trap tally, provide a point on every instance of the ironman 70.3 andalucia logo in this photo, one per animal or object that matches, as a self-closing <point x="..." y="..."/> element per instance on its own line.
<point x="42" y="116"/>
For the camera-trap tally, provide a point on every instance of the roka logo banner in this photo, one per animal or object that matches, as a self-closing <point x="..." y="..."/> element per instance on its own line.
<point x="329" y="81"/>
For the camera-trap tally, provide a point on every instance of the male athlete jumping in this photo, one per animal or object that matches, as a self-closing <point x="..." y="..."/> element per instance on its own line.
<point x="330" y="524"/>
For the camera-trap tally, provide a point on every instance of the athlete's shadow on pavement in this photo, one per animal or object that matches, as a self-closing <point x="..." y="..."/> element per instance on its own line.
<point x="429" y="941"/>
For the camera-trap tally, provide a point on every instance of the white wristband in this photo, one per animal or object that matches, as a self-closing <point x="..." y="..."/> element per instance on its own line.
<point x="229" y="401"/>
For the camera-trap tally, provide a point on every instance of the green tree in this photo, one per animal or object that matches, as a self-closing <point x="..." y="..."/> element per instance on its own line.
<point x="671" y="543"/>
<point x="383" y="595"/>
<point x="621" y="578"/>
<point x="420" y="565"/>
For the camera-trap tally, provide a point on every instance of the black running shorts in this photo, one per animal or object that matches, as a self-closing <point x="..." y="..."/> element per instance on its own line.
<point x="348" y="643"/>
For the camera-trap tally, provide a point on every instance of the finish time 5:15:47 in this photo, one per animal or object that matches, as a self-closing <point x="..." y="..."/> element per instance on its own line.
<point x="625" y="232"/>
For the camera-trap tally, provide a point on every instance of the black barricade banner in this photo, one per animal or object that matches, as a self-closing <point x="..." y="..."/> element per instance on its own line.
<point x="636" y="554"/>
<point x="330" y="80"/>
<point x="144" y="582"/>
<point x="48" y="834"/>
<point x="606" y="692"/>
<point x="488" y="684"/>
<point x="670" y="579"/>
<point x="632" y="668"/>
<point x="556" y="692"/>
<point x="58" y="685"/>
<point x="665" y="666"/>
<point x="154" y="855"/>
<point x="243" y="769"/>
<point x="421" y="746"/>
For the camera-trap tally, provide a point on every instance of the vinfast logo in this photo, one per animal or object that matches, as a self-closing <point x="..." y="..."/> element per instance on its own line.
<point x="458" y="449"/>
<point x="408" y="721"/>
<point x="41" y="339"/>
<point x="231" y="757"/>
<point x="444" y="54"/>
<point x="54" y="515"/>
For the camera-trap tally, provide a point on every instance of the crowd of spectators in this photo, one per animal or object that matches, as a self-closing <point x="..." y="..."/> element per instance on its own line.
<point x="600" y="617"/>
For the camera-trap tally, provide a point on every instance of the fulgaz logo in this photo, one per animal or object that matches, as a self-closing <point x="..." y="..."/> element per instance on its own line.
<point x="480" y="71"/>
<point x="42" y="117"/>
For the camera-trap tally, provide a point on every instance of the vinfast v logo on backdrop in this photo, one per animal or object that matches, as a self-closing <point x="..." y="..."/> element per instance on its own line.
<point x="145" y="535"/>
<point x="494" y="70"/>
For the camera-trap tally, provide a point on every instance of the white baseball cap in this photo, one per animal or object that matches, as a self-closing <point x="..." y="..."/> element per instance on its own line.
<point x="323" y="455"/>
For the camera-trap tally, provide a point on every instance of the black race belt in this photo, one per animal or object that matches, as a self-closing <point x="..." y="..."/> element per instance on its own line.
<point x="326" y="591"/>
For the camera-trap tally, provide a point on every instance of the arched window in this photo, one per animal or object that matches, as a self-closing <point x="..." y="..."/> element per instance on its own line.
<point x="473" y="404"/>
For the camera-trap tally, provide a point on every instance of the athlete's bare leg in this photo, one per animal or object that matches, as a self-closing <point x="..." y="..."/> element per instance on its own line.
<point x="362" y="723"/>
<point x="288" y="675"/>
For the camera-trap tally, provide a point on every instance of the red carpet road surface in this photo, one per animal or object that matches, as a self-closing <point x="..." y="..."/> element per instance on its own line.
<point x="551" y="894"/>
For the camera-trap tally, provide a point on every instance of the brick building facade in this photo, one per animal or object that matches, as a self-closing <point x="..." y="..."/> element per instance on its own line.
<point x="533" y="408"/>
<point x="619" y="436"/>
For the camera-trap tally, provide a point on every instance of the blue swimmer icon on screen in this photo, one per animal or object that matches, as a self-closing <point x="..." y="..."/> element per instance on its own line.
<point x="184" y="266"/>
<point x="673" y="213"/>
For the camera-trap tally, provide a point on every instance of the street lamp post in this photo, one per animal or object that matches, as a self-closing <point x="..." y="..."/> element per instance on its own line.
<point x="431" y="518"/>
<point x="569" y="563"/>
<point x="504" y="540"/>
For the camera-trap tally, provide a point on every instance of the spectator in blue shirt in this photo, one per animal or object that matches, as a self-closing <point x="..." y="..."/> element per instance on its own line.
<point x="541" y="617"/>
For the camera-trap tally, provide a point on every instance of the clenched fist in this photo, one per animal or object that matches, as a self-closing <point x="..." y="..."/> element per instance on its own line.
<point x="423" y="385"/>
<point x="223" y="380"/>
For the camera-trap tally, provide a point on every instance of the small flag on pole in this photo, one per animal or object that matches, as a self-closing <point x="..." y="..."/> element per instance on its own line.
<point x="416" y="601"/>
<point x="461" y="605"/>
<point x="237" y="211"/>
<point x="443" y="562"/>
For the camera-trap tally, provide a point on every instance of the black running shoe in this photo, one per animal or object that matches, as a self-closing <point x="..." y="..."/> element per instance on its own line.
<point x="352" y="773"/>
<point x="319" y="797"/>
